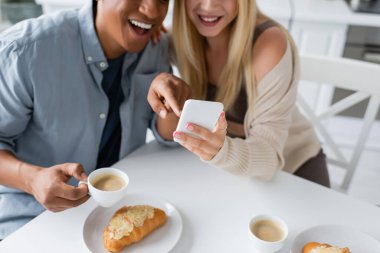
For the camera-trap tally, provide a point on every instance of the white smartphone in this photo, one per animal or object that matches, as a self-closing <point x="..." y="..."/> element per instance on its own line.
<point x="201" y="113"/>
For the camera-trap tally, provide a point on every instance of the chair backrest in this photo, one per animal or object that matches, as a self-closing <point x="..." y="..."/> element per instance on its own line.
<point x="363" y="79"/>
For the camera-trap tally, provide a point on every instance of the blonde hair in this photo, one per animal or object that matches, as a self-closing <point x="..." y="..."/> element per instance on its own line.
<point x="190" y="49"/>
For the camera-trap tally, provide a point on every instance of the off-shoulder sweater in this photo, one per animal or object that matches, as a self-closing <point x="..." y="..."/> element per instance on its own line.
<point x="278" y="136"/>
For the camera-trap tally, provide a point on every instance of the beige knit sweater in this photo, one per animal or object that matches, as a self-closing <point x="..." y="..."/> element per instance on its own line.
<point x="278" y="135"/>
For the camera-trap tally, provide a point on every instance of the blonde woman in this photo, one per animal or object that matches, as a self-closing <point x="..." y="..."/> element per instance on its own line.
<point x="228" y="51"/>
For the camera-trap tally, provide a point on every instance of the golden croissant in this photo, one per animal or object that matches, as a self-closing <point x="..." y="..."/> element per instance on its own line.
<point x="130" y="224"/>
<point x="315" y="247"/>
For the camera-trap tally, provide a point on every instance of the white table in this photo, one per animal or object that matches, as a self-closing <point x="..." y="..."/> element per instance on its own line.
<point x="215" y="206"/>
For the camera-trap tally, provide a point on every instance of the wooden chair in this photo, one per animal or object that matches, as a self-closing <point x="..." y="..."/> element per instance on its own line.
<point x="360" y="77"/>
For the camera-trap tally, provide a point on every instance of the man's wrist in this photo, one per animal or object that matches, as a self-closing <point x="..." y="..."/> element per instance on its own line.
<point x="27" y="174"/>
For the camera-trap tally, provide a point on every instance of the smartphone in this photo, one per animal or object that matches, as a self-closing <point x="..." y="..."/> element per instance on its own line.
<point x="201" y="113"/>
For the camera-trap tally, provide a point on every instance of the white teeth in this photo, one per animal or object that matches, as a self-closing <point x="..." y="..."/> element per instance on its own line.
<point x="141" y="25"/>
<point x="206" y="19"/>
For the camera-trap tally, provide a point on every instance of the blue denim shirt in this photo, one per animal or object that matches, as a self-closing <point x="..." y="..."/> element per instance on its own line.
<point x="52" y="105"/>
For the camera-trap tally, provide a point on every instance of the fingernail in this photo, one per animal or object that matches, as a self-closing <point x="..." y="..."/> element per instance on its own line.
<point x="189" y="127"/>
<point x="82" y="182"/>
<point x="223" y="114"/>
<point x="176" y="135"/>
<point x="162" y="113"/>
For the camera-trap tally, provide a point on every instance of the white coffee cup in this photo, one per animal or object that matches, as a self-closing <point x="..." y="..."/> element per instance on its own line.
<point x="107" y="185"/>
<point x="268" y="233"/>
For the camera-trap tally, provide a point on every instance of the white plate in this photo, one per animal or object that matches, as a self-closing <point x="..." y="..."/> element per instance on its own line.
<point x="161" y="240"/>
<point x="356" y="241"/>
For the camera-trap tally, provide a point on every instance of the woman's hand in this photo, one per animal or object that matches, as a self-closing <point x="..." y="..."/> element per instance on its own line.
<point x="157" y="34"/>
<point x="209" y="142"/>
<point x="168" y="93"/>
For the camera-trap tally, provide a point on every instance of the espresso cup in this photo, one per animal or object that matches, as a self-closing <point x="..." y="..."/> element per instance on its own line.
<point x="107" y="186"/>
<point x="268" y="233"/>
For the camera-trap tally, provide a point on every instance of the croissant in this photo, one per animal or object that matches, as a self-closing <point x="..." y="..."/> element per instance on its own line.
<point x="315" y="247"/>
<point x="130" y="224"/>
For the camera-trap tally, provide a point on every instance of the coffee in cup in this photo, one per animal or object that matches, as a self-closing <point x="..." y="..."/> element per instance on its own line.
<point x="108" y="182"/>
<point x="268" y="233"/>
<point x="267" y="230"/>
<point x="107" y="185"/>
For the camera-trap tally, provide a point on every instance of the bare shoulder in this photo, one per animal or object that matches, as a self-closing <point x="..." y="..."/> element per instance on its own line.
<point x="268" y="51"/>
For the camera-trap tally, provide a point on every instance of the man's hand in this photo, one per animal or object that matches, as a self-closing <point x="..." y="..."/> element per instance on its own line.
<point x="50" y="189"/>
<point x="168" y="93"/>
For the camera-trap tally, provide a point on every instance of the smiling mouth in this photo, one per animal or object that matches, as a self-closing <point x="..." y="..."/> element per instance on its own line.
<point x="209" y="20"/>
<point x="139" y="27"/>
